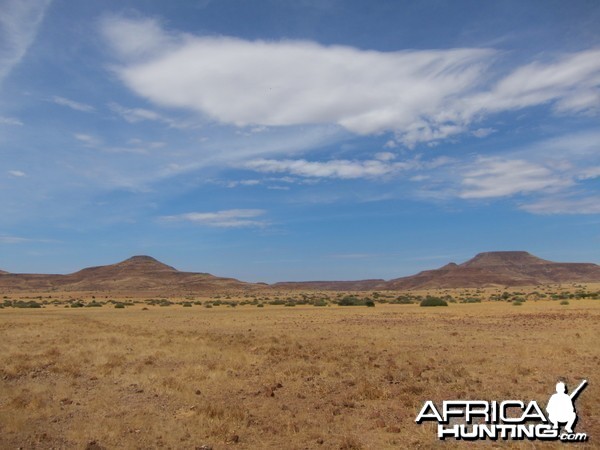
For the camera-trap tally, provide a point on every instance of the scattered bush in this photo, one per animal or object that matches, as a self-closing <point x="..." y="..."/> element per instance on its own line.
<point x="350" y="300"/>
<point x="370" y="303"/>
<point x="119" y="305"/>
<point x="29" y="304"/>
<point x="433" y="301"/>
<point x="564" y="302"/>
<point x="93" y="304"/>
<point x="517" y="302"/>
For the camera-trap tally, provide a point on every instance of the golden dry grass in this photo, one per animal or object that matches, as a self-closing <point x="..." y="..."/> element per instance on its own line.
<point x="277" y="377"/>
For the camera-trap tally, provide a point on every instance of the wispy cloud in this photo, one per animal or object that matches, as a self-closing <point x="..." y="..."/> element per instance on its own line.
<point x="344" y="169"/>
<point x="77" y="106"/>
<point x="10" y="121"/>
<point x="496" y="177"/>
<point x="17" y="173"/>
<point x="12" y="240"/>
<point x="6" y="239"/>
<point x="230" y="218"/>
<point x="564" y="205"/>
<point x="19" y="22"/>
<point x="420" y="96"/>
<point x="355" y="255"/>
<point x="136" y="115"/>
<point x="482" y="132"/>
<point x="236" y="183"/>
<point x="590" y="173"/>
<point x="87" y="139"/>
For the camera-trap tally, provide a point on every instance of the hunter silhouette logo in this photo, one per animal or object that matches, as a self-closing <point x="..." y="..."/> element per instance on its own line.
<point x="560" y="406"/>
<point x="508" y="419"/>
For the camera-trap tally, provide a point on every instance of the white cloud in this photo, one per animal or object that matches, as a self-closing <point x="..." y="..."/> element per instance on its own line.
<point x="562" y="205"/>
<point x="420" y="96"/>
<point x="230" y="218"/>
<point x="496" y="177"/>
<point x="72" y="104"/>
<point x="4" y="239"/>
<point x="482" y="132"/>
<point x="138" y="38"/>
<point x="385" y="156"/>
<point x="87" y="139"/>
<point x="291" y="82"/>
<point x="571" y="82"/>
<point x="17" y="173"/>
<point x="589" y="173"/>
<point x="10" y="121"/>
<point x="232" y="184"/>
<point x="329" y="169"/>
<point x="135" y="115"/>
<point x="19" y="22"/>
<point x="12" y="240"/>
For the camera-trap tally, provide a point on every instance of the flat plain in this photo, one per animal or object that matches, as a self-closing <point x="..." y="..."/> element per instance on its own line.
<point x="346" y="377"/>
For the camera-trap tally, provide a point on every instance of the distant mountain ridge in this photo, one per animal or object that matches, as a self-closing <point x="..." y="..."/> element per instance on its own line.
<point x="146" y="274"/>
<point x="506" y="268"/>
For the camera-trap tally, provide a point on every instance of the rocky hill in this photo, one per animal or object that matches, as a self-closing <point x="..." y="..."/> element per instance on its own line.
<point x="516" y="268"/>
<point x="139" y="273"/>
<point x="499" y="268"/>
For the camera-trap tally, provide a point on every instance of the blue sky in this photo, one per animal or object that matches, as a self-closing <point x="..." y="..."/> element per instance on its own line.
<point x="275" y="140"/>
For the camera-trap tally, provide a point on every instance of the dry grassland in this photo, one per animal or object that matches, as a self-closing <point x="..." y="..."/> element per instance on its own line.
<point x="282" y="378"/>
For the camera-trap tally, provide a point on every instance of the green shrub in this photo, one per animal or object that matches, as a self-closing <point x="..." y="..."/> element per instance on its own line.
<point x="517" y="302"/>
<point x="93" y="304"/>
<point x="119" y="305"/>
<point x="29" y="304"/>
<point x="187" y="305"/>
<point x="564" y="302"/>
<point x="433" y="301"/>
<point x="350" y="300"/>
<point x="370" y="303"/>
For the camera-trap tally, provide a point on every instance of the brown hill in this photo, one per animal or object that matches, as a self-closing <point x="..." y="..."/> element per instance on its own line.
<point x="499" y="268"/>
<point x="139" y="273"/>
<point x="515" y="268"/>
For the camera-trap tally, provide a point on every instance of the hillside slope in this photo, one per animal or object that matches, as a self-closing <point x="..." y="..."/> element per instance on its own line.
<point x="139" y="273"/>
<point x="515" y="268"/>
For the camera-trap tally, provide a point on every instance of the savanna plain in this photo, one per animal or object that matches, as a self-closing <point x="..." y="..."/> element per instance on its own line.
<point x="248" y="372"/>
